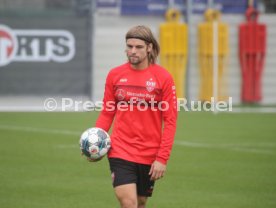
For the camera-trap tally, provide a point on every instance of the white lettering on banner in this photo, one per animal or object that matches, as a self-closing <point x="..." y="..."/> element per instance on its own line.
<point x="35" y="45"/>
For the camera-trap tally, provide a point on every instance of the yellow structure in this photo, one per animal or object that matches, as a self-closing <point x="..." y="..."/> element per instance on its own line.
<point x="173" y="43"/>
<point x="206" y="55"/>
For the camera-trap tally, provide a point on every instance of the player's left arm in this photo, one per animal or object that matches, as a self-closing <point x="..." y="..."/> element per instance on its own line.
<point x="169" y="113"/>
<point x="158" y="167"/>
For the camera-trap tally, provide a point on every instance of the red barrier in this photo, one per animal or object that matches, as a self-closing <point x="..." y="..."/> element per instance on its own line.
<point x="252" y="48"/>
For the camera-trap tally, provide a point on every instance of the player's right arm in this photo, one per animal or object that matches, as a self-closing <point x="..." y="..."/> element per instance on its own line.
<point x="107" y="114"/>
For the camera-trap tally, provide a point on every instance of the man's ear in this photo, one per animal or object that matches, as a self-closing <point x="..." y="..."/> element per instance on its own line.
<point x="149" y="49"/>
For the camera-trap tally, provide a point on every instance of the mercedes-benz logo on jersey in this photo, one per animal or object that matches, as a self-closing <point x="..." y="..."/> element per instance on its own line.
<point x="8" y="45"/>
<point x="120" y="94"/>
<point x="150" y="85"/>
<point x="35" y="45"/>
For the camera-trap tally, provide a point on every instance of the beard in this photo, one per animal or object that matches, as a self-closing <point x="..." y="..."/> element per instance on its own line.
<point x="135" y="60"/>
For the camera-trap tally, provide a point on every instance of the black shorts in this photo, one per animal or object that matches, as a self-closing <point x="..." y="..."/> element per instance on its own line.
<point x="126" y="172"/>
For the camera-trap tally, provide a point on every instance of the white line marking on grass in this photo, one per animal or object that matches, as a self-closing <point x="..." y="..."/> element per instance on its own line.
<point x="193" y="144"/>
<point x="253" y="150"/>
<point x="253" y="110"/>
<point x="233" y="147"/>
<point x="67" y="146"/>
<point x="39" y="130"/>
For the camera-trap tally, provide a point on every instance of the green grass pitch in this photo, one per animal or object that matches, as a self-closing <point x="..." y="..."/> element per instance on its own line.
<point x="226" y="160"/>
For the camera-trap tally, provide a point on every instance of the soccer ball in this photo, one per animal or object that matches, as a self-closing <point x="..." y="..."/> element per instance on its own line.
<point x="95" y="143"/>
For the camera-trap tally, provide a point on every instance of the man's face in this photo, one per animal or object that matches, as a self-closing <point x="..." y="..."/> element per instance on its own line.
<point x="137" y="52"/>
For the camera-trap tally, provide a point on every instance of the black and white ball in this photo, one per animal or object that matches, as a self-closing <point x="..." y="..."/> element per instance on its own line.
<point x="95" y="143"/>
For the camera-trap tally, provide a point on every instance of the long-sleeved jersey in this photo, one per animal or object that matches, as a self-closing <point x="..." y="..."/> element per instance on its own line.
<point x="144" y="105"/>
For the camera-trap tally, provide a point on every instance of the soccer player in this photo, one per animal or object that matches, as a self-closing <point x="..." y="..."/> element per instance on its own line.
<point x="140" y="97"/>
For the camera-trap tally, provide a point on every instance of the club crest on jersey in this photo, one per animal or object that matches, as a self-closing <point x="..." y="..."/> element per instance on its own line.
<point x="150" y="85"/>
<point x="120" y="94"/>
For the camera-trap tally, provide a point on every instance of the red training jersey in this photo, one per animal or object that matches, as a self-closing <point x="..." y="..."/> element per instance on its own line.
<point x="144" y="105"/>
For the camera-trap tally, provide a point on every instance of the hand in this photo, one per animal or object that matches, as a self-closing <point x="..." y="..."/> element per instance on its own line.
<point x="157" y="170"/>
<point x="91" y="159"/>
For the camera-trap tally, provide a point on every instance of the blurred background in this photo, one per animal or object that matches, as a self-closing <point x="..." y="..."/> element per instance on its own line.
<point x="65" y="48"/>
